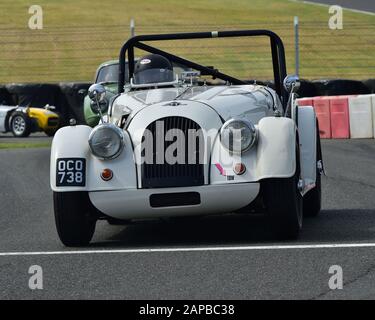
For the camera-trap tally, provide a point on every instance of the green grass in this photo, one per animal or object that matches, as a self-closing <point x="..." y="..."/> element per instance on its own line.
<point x="23" y="145"/>
<point x="80" y="34"/>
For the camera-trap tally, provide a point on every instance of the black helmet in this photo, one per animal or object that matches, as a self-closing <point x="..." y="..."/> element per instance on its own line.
<point x="153" y="68"/>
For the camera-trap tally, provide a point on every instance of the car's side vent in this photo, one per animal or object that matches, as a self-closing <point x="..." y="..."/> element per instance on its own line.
<point x="157" y="172"/>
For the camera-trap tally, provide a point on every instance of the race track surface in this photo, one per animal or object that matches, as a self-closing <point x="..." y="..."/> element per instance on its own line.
<point x="238" y="272"/>
<point x="363" y="5"/>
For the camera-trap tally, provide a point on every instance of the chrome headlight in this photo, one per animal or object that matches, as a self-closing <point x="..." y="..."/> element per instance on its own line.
<point x="106" y="141"/>
<point x="237" y="135"/>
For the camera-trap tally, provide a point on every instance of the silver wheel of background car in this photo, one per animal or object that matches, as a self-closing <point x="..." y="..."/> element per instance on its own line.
<point x="20" y="124"/>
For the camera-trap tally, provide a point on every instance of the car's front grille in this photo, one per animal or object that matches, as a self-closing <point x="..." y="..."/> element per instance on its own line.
<point x="187" y="173"/>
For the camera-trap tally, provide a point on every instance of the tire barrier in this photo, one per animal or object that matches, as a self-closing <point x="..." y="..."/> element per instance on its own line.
<point x="370" y="84"/>
<point x="66" y="97"/>
<point x="72" y="95"/>
<point x="36" y="95"/>
<point x="308" y="89"/>
<point x="343" y="117"/>
<point x="340" y="87"/>
<point x="5" y="96"/>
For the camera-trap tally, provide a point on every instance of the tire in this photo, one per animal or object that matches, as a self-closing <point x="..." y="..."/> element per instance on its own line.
<point x="284" y="205"/>
<point x="74" y="217"/>
<point x="312" y="201"/>
<point x="20" y="124"/>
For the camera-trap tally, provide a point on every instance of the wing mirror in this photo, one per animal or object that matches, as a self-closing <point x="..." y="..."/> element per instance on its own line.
<point x="96" y="93"/>
<point x="292" y="83"/>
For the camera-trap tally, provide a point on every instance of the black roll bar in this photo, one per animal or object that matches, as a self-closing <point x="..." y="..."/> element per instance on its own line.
<point x="277" y="51"/>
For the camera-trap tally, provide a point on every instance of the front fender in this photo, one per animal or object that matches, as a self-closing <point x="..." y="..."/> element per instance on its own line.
<point x="72" y="142"/>
<point x="274" y="156"/>
<point x="308" y="145"/>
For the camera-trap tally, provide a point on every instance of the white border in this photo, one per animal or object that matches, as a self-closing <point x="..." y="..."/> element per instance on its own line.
<point x="194" y="249"/>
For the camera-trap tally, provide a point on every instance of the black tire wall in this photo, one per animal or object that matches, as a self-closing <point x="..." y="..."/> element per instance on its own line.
<point x="66" y="97"/>
<point x="370" y="84"/>
<point x="72" y="96"/>
<point x="34" y="94"/>
<point x="5" y="96"/>
<point x="338" y="87"/>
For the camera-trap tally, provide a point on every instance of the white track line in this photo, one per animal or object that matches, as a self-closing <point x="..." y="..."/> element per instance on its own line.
<point x="193" y="249"/>
<point x="328" y="5"/>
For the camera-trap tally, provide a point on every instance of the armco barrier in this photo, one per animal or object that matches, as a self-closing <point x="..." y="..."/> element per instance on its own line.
<point x="339" y="110"/>
<point x="373" y="112"/>
<point x="360" y="117"/>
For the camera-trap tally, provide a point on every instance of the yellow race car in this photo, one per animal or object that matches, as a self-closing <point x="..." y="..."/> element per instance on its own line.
<point x="22" y="121"/>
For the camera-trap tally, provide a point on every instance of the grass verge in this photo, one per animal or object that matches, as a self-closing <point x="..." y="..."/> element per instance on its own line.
<point x="78" y="35"/>
<point x="23" y="145"/>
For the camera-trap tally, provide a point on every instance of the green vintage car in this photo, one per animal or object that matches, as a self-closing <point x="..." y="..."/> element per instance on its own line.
<point x="107" y="75"/>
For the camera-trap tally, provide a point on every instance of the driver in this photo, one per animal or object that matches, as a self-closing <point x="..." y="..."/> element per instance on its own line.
<point x="153" y="68"/>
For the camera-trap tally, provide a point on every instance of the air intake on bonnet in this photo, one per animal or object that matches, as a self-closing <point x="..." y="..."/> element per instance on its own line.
<point x="157" y="171"/>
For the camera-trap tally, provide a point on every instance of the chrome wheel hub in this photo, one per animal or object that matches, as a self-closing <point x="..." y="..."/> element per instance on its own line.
<point x="19" y="125"/>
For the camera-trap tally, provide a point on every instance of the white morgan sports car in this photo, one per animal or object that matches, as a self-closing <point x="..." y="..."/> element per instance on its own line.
<point x="181" y="145"/>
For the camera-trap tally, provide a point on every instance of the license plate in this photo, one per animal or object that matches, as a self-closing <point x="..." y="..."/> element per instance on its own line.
<point x="71" y="172"/>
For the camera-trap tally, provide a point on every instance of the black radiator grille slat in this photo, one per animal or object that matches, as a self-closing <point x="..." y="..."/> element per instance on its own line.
<point x="155" y="175"/>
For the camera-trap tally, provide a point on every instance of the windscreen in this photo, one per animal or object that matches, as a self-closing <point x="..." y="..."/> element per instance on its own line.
<point x="109" y="73"/>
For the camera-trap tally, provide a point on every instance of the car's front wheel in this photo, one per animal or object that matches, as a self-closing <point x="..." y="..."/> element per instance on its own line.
<point x="283" y="201"/>
<point x="75" y="218"/>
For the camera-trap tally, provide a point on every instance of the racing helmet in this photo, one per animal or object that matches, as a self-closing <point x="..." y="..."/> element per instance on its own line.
<point x="153" y="68"/>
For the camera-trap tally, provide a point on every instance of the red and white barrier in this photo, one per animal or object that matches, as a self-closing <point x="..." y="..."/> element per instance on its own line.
<point x="323" y="113"/>
<point x="339" y="108"/>
<point x="360" y="115"/>
<point x="343" y="117"/>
